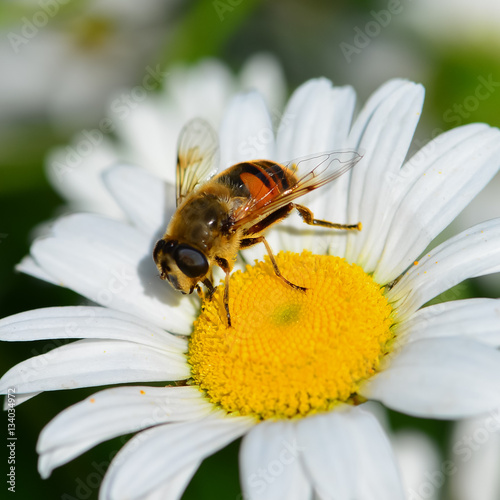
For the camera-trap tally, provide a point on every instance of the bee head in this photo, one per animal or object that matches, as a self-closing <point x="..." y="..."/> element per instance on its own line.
<point x="182" y="265"/>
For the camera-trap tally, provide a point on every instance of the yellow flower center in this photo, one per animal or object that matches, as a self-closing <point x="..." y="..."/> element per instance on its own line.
<point x="290" y="353"/>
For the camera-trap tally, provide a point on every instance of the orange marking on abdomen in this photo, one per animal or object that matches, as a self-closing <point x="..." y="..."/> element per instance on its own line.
<point x="258" y="190"/>
<point x="264" y="180"/>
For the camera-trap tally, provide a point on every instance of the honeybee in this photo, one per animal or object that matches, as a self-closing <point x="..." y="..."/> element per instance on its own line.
<point x="218" y="215"/>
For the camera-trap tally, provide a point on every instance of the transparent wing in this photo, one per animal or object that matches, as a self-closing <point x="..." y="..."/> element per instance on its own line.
<point x="197" y="156"/>
<point x="313" y="172"/>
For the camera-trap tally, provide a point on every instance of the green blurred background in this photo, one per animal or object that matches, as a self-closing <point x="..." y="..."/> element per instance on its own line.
<point x="448" y="47"/>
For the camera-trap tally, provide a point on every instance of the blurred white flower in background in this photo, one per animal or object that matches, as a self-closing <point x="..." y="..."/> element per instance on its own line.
<point x="61" y="60"/>
<point x="419" y="462"/>
<point x="457" y="20"/>
<point x="475" y="450"/>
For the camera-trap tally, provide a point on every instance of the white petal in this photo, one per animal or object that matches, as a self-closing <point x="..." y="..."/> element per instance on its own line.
<point x="111" y="413"/>
<point x="263" y="72"/>
<point x="270" y="463"/>
<point x="87" y="363"/>
<point x="201" y="90"/>
<point x="414" y="170"/>
<point x="156" y="456"/>
<point x="146" y="200"/>
<point x="249" y="138"/>
<point x="77" y="322"/>
<point x="382" y="94"/>
<point x="439" y="378"/>
<point x="110" y="263"/>
<point x="378" y="99"/>
<point x="436" y="196"/>
<point x="149" y="136"/>
<point x="384" y="143"/>
<point x="175" y="486"/>
<point x="75" y="172"/>
<point x="317" y="119"/>
<point x="478" y="319"/>
<point x="29" y="266"/>
<point x="329" y="457"/>
<point x="347" y="455"/>
<point x="469" y="254"/>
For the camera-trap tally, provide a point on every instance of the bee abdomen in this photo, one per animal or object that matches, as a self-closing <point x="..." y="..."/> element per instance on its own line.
<point x="256" y="179"/>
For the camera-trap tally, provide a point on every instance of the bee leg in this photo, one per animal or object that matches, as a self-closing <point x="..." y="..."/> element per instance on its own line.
<point x="224" y="265"/>
<point x="308" y="218"/>
<point x="210" y="287"/>
<point x="226" y="299"/>
<point x="246" y="242"/>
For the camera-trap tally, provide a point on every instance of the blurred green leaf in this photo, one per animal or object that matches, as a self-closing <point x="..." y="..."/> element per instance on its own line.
<point x="23" y="149"/>
<point x="463" y="290"/>
<point x="206" y="27"/>
<point x="466" y="86"/>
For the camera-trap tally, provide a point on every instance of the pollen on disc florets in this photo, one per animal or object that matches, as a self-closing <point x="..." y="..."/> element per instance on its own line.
<point x="290" y="353"/>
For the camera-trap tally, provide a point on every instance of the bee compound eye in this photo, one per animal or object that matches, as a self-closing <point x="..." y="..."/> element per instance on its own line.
<point x="191" y="261"/>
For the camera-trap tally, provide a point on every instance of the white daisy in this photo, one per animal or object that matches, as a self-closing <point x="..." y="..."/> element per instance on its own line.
<point x="293" y="372"/>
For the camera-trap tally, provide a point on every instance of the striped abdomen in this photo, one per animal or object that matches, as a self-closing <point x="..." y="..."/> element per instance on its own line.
<point x="260" y="179"/>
